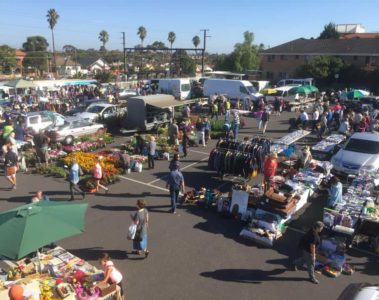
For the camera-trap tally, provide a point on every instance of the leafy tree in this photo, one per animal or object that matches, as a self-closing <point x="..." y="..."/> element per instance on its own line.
<point x="329" y="32"/>
<point x="37" y="60"/>
<point x="171" y="38"/>
<point x="35" y="43"/>
<point x="142" y="34"/>
<point x="114" y="56"/>
<point x="52" y="18"/>
<point x="104" y="77"/>
<point x="184" y="65"/>
<point x="322" y="69"/>
<point x="104" y="38"/>
<point x="157" y="45"/>
<point x="7" y="59"/>
<point x="196" y="41"/>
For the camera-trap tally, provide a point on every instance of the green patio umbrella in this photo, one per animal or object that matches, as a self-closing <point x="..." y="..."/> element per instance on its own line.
<point x="312" y="88"/>
<point x="299" y="90"/>
<point x="25" y="229"/>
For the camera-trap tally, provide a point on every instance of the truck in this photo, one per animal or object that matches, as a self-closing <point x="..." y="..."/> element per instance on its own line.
<point x="180" y="88"/>
<point x="235" y="89"/>
<point x="150" y="112"/>
<point x="295" y="81"/>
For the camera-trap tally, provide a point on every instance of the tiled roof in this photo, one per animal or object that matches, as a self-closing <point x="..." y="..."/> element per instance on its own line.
<point x="327" y="47"/>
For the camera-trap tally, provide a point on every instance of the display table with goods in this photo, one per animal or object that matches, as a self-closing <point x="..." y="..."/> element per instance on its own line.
<point x="326" y="148"/>
<point x="57" y="274"/>
<point x="358" y="212"/>
<point x="282" y="144"/>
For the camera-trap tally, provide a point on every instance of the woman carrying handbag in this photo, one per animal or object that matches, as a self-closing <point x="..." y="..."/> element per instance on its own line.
<point x="141" y="219"/>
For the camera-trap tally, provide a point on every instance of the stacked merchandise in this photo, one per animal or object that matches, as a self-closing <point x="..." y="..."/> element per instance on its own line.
<point x="330" y="258"/>
<point x="239" y="159"/>
<point x="360" y="204"/>
<point x="57" y="274"/>
<point x="281" y="144"/>
<point x="264" y="228"/>
<point x="324" y="149"/>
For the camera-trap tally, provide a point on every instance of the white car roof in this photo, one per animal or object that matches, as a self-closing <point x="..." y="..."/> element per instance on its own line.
<point x="101" y="104"/>
<point x="368" y="136"/>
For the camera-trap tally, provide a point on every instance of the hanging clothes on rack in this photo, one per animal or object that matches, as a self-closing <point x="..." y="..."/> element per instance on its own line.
<point x="239" y="158"/>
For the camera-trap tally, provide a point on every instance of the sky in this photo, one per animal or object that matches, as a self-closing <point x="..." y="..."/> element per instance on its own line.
<point x="272" y="21"/>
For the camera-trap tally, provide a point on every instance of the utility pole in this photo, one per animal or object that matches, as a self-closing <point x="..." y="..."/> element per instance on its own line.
<point x="123" y="48"/>
<point x="203" y="50"/>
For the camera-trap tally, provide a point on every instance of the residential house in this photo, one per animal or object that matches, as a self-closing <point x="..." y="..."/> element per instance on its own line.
<point x="282" y="61"/>
<point x="66" y="66"/>
<point x="94" y="64"/>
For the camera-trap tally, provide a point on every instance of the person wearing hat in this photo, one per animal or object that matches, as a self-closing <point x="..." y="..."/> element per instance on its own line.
<point x="308" y="244"/>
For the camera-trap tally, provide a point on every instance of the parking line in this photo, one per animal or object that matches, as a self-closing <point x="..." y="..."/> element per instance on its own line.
<point x="185" y="167"/>
<point x="195" y="151"/>
<point x="143" y="183"/>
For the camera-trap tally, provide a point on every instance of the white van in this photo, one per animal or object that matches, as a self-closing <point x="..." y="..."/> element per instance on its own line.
<point x="294" y="81"/>
<point x="241" y="89"/>
<point x="180" y="88"/>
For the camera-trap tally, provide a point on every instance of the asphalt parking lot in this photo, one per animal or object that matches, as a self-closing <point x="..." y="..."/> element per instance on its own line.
<point x="195" y="254"/>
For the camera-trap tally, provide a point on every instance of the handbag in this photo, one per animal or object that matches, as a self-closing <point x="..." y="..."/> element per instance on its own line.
<point x="138" y="236"/>
<point x="132" y="231"/>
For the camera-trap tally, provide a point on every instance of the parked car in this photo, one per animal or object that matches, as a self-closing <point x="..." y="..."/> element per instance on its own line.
<point x="361" y="151"/>
<point x="360" y="291"/>
<point x="38" y="121"/>
<point x="101" y="111"/>
<point x="82" y="106"/>
<point x="127" y="93"/>
<point x="73" y="127"/>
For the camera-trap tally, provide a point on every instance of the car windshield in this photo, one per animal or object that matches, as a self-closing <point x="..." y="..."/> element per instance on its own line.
<point x="185" y="87"/>
<point x="362" y="146"/>
<point x="251" y="89"/>
<point x="95" y="109"/>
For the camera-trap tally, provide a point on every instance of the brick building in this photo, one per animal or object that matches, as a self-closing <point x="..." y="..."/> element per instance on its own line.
<point x="282" y="61"/>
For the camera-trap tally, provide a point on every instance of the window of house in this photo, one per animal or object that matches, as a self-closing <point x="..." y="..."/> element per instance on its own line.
<point x="282" y="57"/>
<point x="296" y="56"/>
<point x="355" y="57"/>
<point x="367" y="60"/>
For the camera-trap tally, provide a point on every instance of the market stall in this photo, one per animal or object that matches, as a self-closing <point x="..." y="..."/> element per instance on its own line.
<point x="326" y="148"/>
<point x="57" y="274"/>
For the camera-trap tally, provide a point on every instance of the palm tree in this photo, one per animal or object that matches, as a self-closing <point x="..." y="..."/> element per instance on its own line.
<point x="196" y="41"/>
<point x="171" y="38"/>
<point x="52" y="18"/>
<point x="104" y="38"/>
<point x="142" y="34"/>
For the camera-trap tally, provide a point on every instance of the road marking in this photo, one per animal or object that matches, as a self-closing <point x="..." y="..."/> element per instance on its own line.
<point x="185" y="167"/>
<point x="190" y="165"/>
<point x="143" y="183"/>
<point x="195" y="151"/>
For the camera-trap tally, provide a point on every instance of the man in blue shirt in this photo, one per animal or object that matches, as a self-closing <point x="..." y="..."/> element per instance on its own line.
<point x="175" y="183"/>
<point x="335" y="192"/>
<point x="74" y="178"/>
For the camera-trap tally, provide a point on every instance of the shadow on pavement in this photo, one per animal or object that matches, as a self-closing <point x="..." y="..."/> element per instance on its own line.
<point x="94" y="253"/>
<point x="153" y="208"/>
<point x="249" y="276"/>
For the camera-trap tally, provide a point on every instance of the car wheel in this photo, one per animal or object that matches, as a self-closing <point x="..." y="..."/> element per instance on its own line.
<point x="69" y="140"/>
